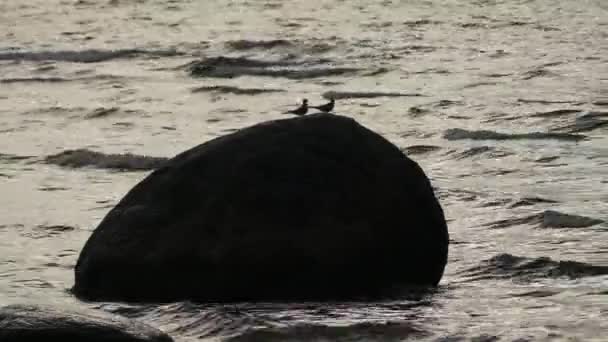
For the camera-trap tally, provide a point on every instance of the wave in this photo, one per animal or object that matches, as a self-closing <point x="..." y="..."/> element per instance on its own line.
<point x="585" y="126"/>
<point x="548" y="219"/>
<point x="421" y="149"/>
<point x="13" y="157"/>
<point x="41" y="231"/>
<point x="102" y="112"/>
<point x="508" y="266"/>
<point x="85" y="158"/>
<point x="235" y="90"/>
<point x="420" y="22"/>
<point x="479" y="84"/>
<point x="460" y="134"/>
<point x="364" y="94"/>
<point x="197" y="321"/>
<point x="459" y="195"/>
<point x="585" y="122"/>
<point x="491" y="152"/>
<point x="447" y="103"/>
<point x="240" y="62"/>
<point x="534" y="73"/>
<point x="52" y="79"/>
<point x="417" y="111"/>
<point x="245" y="44"/>
<point x="228" y="67"/>
<point x="601" y="103"/>
<point x="47" y="231"/>
<point x="87" y="113"/>
<point x="592" y="115"/>
<point x="529" y="201"/>
<point x="547" y="159"/>
<point x="84" y="56"/>
<point x="293" y="47"/>
<point x="369" y="331"/>
<point x="557" y="112"/>
<point x="35" y="79"/>
<point x="555" y="219"/>
<point x="273" y="321"/>
<point x="549" y="102"/>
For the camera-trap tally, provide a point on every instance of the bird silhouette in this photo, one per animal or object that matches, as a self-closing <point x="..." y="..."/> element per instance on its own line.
<point x="326" y="108"/>
<point x="303" y="109"/>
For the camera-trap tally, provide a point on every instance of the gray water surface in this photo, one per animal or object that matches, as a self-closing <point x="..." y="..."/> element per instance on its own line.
<point x="503" y="103"/>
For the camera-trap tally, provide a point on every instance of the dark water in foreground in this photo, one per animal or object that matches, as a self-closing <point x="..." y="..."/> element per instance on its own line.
<point x="503" y="103"/>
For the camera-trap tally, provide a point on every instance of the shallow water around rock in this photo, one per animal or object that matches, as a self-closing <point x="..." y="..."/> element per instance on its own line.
<point x="503" y="103"/>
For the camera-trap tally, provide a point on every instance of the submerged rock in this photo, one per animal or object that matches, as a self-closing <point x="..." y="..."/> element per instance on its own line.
<point x="310" y="208"/>
<point x="26" y="323"/>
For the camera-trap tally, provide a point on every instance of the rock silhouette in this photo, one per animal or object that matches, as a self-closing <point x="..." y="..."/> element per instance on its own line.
<point x="315" y="207"/>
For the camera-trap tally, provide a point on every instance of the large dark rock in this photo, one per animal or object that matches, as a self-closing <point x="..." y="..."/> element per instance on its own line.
<point x="310" y="208"/>
<point x="26" y="323"/>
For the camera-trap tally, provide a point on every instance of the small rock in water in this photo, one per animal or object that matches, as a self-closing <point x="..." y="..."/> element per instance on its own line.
<point x="29" y="323"/>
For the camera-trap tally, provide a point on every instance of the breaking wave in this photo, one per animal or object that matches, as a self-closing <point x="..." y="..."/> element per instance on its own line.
<point x="85" y="158"/>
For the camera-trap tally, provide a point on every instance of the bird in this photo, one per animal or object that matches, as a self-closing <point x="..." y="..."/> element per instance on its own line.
<point x="326" y="108"/>
<point x="303" y="109"/>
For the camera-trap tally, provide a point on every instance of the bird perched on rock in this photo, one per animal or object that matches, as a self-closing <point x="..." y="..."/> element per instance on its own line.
<point x="303" y="109"/>
<point x="326" y="108"/>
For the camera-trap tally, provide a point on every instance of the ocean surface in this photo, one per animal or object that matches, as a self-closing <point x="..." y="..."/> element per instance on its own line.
<point x="504" y="103"/>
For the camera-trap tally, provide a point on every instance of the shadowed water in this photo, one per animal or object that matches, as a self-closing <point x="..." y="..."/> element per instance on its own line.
<point x="503" y="103"/>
